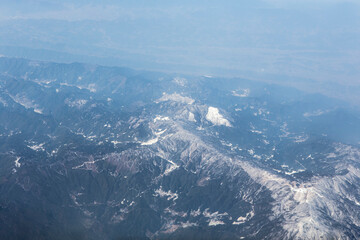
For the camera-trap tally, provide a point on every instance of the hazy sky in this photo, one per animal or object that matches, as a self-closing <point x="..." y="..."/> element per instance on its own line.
<point x="112" y="9"/>
<point x="295" y="41"/>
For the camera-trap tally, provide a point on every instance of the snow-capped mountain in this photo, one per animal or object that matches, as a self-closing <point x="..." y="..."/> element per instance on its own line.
<point x="91" y="152"/>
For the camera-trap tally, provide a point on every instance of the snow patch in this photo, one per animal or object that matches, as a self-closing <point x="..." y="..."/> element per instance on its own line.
<point x="191" y="117"/>
<point x="300" y="139"/>
<point x="37" y="147"/>
<point x="17" y="163"/>
<point x="180" y="81"/>
<point x="79" y="103"/>
<point x="195" y="213"/>
<point x="175" y="213"/>
<point x="88" y="165"/>
<point x="215" y="222"/>
<point x="241" y="92"/>
<point x="175" y="97"/>
<point x="26" y="103"/>
<point x="207" y="76"/>
<point x="160" y="118"/>
<point x="150" y="142"/>
<point x="3" y="102"/>
<point x="160" y="132"/>
<point x="316" y="113"/>
<point x="39" y="111"/>
<point x="171" y="227"/>
<point x="216" y="118"/>
<point x="215" y="217"/>
<point x="170" y="195"/>
<point x="293" y="172"/>
<point x="331" y="155"/>
<point x="284" y="130"/>
<point x="256" y="131"/>
<point x="241" y="220"/>
<point x="91" y="87"/>
<point x="173" y="166"/>
<point x="187" y="224"/>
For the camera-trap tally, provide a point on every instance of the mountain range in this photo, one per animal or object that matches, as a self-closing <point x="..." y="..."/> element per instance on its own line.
<point x="95" y="152"/>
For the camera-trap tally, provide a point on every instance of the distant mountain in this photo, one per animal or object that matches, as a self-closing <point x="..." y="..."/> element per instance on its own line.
<point x="93" y="152"/>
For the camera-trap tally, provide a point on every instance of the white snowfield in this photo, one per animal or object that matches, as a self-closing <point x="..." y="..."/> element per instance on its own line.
<point x="216" y="118"/>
